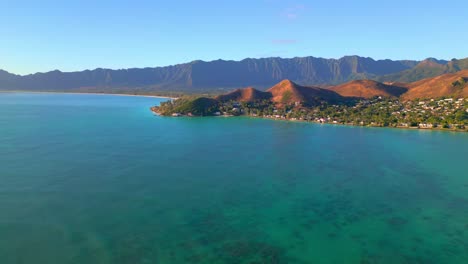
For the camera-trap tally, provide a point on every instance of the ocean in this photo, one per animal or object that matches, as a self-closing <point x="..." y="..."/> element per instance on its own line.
<point x="100" y="179"/>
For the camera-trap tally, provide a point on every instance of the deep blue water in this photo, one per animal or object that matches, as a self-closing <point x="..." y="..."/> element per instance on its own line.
<point x="100" y="179"/>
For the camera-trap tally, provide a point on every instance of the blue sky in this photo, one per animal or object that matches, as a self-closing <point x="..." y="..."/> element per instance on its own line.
<point x="77" y="35"/>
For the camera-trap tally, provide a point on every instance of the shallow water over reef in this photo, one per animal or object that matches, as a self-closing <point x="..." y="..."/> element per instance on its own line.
<point x="99" y="179"/>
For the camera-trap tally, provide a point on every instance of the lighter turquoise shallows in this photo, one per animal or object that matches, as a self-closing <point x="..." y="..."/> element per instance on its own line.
<point x="99" y="179"/>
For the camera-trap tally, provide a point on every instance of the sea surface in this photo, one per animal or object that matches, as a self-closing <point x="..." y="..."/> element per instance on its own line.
<point x="100" y="179"/>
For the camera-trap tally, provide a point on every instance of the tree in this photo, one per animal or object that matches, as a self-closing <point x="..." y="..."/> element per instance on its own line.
<point x="461" y="116"/>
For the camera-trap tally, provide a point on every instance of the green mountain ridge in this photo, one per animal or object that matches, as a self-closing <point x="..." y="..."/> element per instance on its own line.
<point x="425" y="69"/>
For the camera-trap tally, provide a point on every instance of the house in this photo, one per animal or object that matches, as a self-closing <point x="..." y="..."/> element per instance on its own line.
<point x="423" y="125"/>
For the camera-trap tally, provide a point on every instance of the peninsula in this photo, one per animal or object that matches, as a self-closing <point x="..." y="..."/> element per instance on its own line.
<point x="440" y="102"/>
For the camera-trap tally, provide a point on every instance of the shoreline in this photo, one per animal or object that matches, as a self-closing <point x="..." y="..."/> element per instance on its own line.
<point x="368" y="126"/>
<point x="78" y="93"/>
<point x="319" y="123"/>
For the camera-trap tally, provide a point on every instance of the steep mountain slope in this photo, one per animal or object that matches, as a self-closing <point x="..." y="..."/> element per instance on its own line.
<point x="209" y="76"/>
<point x="4" y="75"/>
<point x="452" y="84"/>
<point x="368" y="89"/>
<point x="308" y="70"/>
<point x="288" y="92"/>
<point x="175" y="77"/>
<point x="426" y="69"/>
<point x="457" y="65"/>
<point x="244" y="95"/>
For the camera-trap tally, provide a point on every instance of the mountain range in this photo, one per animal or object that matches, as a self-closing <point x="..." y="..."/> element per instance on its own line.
<point x="220" y="75"/>
<point x="448" y="84"/>
<point x="287" y="92"/>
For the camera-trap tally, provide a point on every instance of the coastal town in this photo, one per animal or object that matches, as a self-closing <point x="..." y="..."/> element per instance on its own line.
<point x="449" y="113"/>
<point x="440" y="113"/>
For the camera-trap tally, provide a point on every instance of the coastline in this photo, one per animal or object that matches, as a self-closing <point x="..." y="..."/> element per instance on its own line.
<point x="319" y="123"/>
<point x="78" y="93"/>
<point x="367" y="126"/>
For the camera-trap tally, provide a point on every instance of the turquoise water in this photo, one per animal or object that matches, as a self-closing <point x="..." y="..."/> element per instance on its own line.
<point x="99" y="179"/>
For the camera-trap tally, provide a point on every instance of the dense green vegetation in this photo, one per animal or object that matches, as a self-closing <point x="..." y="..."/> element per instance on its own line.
<point x="460" y="83"/>
<point x="386" y="112"/>
<point x="196" y="106"/>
